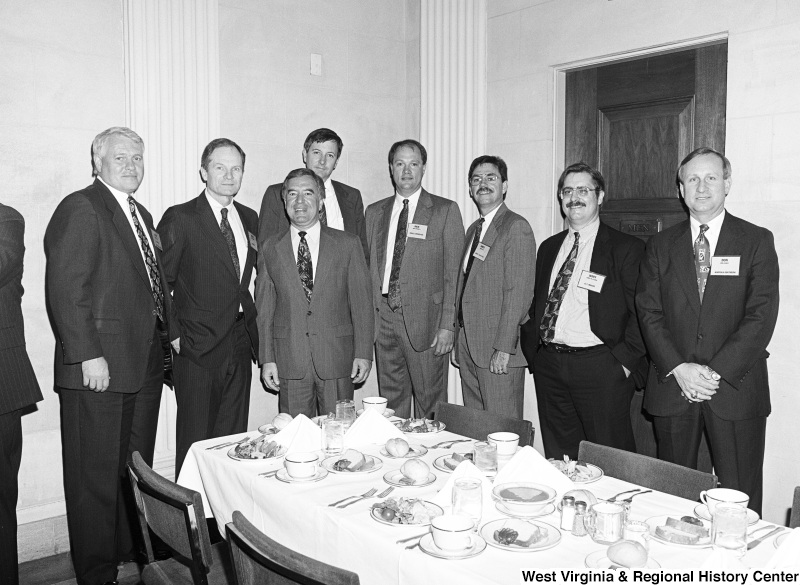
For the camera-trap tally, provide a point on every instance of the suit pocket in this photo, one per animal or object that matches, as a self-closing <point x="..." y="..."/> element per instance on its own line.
<point x="11" y="337"/>
<point x="108" y="326"/>
<point x="343" y="330"/>
<point x="280" y="332"/>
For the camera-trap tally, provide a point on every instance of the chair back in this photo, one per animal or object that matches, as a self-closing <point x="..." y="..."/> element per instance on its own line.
<point x="259" y="560"/>
<point x="175" y="514"/>
<point x="794" y="519"/>
<point x="648" y="472"/>
<point x="476" y="424"/>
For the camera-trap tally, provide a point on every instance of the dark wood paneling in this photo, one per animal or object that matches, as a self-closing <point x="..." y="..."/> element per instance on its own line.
<point x="581" y="117"/>
<point x="646" y="79"/>
<point x="711" y="78"/>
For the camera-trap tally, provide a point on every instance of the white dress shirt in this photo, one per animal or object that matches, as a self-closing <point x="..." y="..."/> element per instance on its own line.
<point x="239" y="233"/>
<point x="396" y="209"/>
<point x="333" y="213"/>
<point x="712" y="233"/>
<point x="312" y="239"/>
<point x="487" y="221"/>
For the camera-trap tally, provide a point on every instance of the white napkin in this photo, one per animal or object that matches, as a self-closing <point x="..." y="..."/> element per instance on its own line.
<point x="724" y="560"/>
<point x="788" y="554"/>
<point x="465" y="469"/>
<point x="300" y="435"/>
<point x="371" y="428"/>
<point x="529" y="465"/>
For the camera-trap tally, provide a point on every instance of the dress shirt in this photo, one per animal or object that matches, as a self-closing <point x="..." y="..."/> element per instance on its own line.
<point x="396" y="209"/>
<point x="239" y="233"/>
<point x="573" y="327"/>
<point x="712" y="233"/>
<point x="333" y="213"/>
<point x="487" y="221"/>
<point x="312" y="239"/>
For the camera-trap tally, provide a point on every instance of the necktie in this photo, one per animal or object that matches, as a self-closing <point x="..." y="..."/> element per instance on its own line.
<point x="475" y="241"/>
<point x="227" y="232"/>
<point x="323" y="216"/>
<point x="547" y="329"/>
<point x="702" y="260"/>
<point x="304" y="266"/>
<point x="397" y="258"/>
<point x="150" y="261"/>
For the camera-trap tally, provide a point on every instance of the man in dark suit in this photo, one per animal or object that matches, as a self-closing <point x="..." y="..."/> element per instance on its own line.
<point x="582" y="340"/>
<point x="415" y="245"/>
<point x="708" y="302"/>
<point x="495" y="287"/>
<point x="18" y="385"/>
<point x="314" y="306"/>
<point x="210" y="248"/>
<point x="108" y="302"/>
<point x="342" y="207"/>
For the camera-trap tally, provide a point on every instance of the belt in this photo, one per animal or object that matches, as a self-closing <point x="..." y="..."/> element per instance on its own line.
<point x="239" y="317"/>
<point x="561" y="348"/>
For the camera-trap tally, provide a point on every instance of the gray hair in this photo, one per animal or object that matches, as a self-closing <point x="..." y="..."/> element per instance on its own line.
<point x="101" y="140"/>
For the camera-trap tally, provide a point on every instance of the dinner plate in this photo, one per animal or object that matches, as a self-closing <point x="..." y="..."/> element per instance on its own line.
<point x="284" y="476"/>
<point x="394" y="477"/>
<point x="655" y="521"/>
<point x="548" y="509"/>
<point x="413" y="452"/>
<point x="438" y="463"/>
<point x="523" y="527"/>
<point x="371" y="464"/>
<point x="268" y="429"/>
<point x="590" y="473"/>
<point x="599" y="560"/>
<point x="376" y="515"/>
<point x="399" y="424"/>
<point x="388" y="413"/>
<point x="701" y="511"/>
<point x="781" y="537"/>
<point x="476" y="547"/>
<point x="232" y="454"/>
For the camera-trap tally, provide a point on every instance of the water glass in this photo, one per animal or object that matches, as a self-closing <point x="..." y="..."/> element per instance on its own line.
<point x="485" y="456"/>
<point x="637" y="531"/>
<point x="468" y="499"/>
<point x="729" y="528"/>
<point x="332" y="436"/>
<point x="346" y="412"/>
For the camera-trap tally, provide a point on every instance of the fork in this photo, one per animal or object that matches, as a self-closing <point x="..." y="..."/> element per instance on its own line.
<point x="367" y="494"/>
<point x="629" y="498"/>
<point x="614" y="498"/>
<point x="383" y="494"/>
<point x="448" y="443"/>
<point x="228" y="444"/>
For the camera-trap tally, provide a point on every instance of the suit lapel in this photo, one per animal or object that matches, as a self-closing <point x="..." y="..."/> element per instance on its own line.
<point x="491" y="233"/>
<point x="209" y="225"/>
<point x="287" y="256"/>
<point x="345" y="206"/>
<point x="324" y="259"/>
<point x="548" y="261"/>
<point x="422" y="216"/>
<point x="250" y="261"/>
<point x="600" y="264"/>
<point x="384" y="221"/>
<point x="682" y="256"/>
<point x="129" y="238"/>
<point x="727" y="245"/>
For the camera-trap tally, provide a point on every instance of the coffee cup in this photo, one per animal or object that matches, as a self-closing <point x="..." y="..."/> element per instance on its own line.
<point x="452" y="532"/>
<point x="506" y="443"/>
<point x="301" y="465"/>
<point x="716" y="496"/>
<point x="376" y="403"/>
<point x="604" y="522"/>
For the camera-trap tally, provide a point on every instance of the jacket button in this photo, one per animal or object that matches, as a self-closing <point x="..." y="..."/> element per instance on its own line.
<point x="309" y="313"/>
<point x="699" y="337"/>
<point x="306" y="333"/>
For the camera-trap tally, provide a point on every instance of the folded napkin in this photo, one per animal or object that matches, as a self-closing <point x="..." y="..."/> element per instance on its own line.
<point x="788" y="554"/>
<point x="465" y="469"/>
<point x="300" y="435"/>
<point x="371" y="428"/>
<point x="529" y="465"/>
<point x="724" y="560"/>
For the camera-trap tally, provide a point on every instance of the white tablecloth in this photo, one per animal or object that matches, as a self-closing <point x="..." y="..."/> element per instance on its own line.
<point x="297" y="515"/>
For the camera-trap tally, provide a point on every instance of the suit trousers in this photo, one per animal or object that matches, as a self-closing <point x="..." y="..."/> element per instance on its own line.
<point x="737" y="447"/>
<point x="403" y="371"/>
<point x="212" y="402"/>
<point x="311" y="394"/>
<point x="99" y="433"/>
<point x="582" y="396"/>
<point x="482" y="390"/>
<point x="10" y="458"/>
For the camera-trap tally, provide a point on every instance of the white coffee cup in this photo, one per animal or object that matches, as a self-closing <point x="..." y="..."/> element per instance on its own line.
<point x="376" y="403"/>
<point x="714" y="496"/>
<point x="506" y="443"/>
<point x="452" y="532"/>
<point x="301" y="465"/>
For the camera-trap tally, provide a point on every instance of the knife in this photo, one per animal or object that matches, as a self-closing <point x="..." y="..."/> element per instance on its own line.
<point x="755" y="542"/>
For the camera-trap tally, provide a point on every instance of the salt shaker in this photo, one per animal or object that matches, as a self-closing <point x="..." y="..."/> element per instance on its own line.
<point x="578" y="527"/>
<point x="567" y="513"/>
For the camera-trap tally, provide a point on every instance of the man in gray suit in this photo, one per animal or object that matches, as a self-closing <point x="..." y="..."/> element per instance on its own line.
<point x="415" y="244"/>
<point x="315" y="319"/>
<point x="495" y="288"/>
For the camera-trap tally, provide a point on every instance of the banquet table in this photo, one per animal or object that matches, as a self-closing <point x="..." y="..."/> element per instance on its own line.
<point x="298" y="516"/>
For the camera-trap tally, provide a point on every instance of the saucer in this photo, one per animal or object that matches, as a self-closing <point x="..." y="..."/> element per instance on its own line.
<point x="388" y="413"/>
<point x="548" y="509"/>
<point x="268" y="429"/>
<point x="413" y="451"/>
<point x="394" y="477"/>
<point x="284" y="476"/>
<point x="476" y="547"/>
<point x="371" y="464"/>
<point x="599" y="560"/>
<point x="523" y="527"/>
<point x="701" y="511"/>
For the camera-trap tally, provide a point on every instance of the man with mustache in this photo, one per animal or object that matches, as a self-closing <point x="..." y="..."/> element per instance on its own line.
<point x="583" y="341"/>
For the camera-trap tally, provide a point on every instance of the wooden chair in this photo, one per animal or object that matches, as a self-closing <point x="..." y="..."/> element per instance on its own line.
<point x="476" y="424"/>
<point x="259" y="560"/>
<point x="794" y="519"/>
<point x="647" y="471"/>
<point x="176" y="515"/>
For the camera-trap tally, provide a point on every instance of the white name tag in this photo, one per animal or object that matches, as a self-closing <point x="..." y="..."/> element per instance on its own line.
<point x="725" y="265"/>
<point x="481" y="251"/>
<point x="156" y="239"/>
<point x="418" y="231"/>
<point x="253" y="241"/>
<point x="591" y="281"/>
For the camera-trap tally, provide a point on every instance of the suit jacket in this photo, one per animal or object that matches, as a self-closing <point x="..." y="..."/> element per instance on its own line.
<point x="499" y="289"/>
<point x="19" y="387"/>
<point x="273" y="218"/>
<point x="98" y="291"/>
<point x="200" y="272"/>
<point x="332" y="330"/>
<point x="612" y="311"/>
<point x="430" y="267"/>
<point x="729" y="332"/>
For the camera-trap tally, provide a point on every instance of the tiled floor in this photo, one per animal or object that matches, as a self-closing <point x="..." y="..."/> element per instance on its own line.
<point x="57" y="570"/>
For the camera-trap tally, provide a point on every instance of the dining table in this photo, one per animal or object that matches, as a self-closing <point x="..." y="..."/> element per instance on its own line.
<point x="299" y="516"/>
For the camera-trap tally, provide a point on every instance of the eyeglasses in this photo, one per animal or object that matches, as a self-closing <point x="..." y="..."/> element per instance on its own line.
<point x="568" y="192"/>
<point x="476" y="180"/>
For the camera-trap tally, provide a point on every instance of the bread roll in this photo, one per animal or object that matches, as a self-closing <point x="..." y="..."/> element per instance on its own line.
<point x="627" y="553"/>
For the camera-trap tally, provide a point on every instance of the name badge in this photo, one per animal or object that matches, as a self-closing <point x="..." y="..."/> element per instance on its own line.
<point x="418" y="231"/>
<point x="591" y="281"/>
<point x="481" y="251"/>
<point x="725" y="265"/>
<point x="253" y="241"/>
<point x="156" y="239"/>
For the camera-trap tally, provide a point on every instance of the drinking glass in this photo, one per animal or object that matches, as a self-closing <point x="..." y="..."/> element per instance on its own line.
<point x="332" y="436"/>
<point x="486" y="456"/>
<point x="468" y="499"/>
<point x="729" y="528"/>
<point x="638" y="532"/>
<point x="346" y="412"/>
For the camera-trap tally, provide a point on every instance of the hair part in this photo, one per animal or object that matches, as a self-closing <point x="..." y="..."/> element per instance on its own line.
<point x="214" y="145"/>
<point x="303" y="172"/>
<point x="100" y="142"/>
<point x="323" y="135"/>
<point x="726" y="164"/>
<point x="489" y="159"/>
<point x="408" y="143"/>
<point x="582" y="167"/>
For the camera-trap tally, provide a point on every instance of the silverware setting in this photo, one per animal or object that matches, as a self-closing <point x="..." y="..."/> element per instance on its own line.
<point x="447" y="444"/>
<point x="614" y="497"/>
<point x="383" y="494"/>
<point x="760" y="539"/>
<point x="366" y="494"/>
<point x="629" y="498"/>
<point x="410" y="538"/>
<point x="412" y="546"/>
<point x="272" y="473"/>
<point x="228" y="444"/>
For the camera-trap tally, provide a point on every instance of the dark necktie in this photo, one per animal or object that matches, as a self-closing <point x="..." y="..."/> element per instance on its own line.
<point x="547" y="329"/>
<point x="227" y="232"/>
<point x="475" y="241"/>
<point x="702" y="260"/>
<point x="323" y="215"/>
<point x="150" y="261"/>
<point x="304" y="266"/>
<point x="397" y="258"/>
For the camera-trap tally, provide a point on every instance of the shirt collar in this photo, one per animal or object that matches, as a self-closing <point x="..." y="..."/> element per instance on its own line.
<point x="329" y="188"/>
<point x="115" y="192"/>
<point x="216" y="206"/>
<point x="490" y="216"/>
<point x="588" y="230"/>
<point x="412" y="199"/>
<point x="713" y="225"/>
<point x="312" y="232"/>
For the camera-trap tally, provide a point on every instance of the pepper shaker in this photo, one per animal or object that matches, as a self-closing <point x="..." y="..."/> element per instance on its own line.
<point x="578" y="527"/>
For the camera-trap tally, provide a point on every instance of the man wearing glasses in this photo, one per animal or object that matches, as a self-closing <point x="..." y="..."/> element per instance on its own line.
<point x="583" y="340"/>
<point x="495" y="286"/>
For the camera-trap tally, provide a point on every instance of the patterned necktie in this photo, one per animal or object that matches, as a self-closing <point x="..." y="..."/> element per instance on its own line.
<point x="397" y="258"/>
<point x="475" y="241"/>
<point x="702" y="260"/>
<point x="323" y="216"/>
<point x="547" y="329"/>
<point x="304" y="266"/>
<point x="227" y="232"/>
<point x="150" y="260"/>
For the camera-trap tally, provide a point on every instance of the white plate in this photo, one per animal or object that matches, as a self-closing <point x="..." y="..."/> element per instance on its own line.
<point x="399" y="423"/>
<point x="268" y="429"/>
<point x="232" y="454"/>
<point x="371" y="464"/>
<point x="388" y="413"/>
<point x="284" y="476"/>
<point x="599" y="560"/>
<point x="377" y="517"/>
<point x="655" y="521"/>
<point x="780" y="538"/>
<point x="476" y="547"/>
<point x="701" y="511"/>
<point x="523" y="527"/>
<point x="548" y="509"/>
<point x="394" y="477"/>
<point x="414" y="451"/>
<point x="594" y="472"/>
